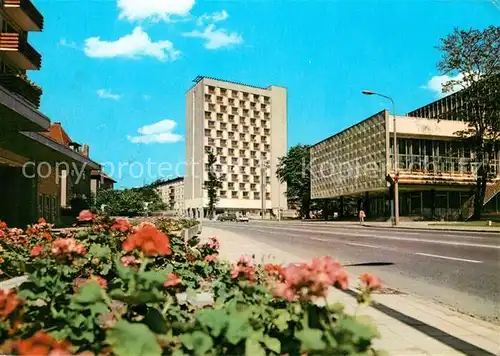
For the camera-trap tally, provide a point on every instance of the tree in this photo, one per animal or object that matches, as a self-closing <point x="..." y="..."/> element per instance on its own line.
<point x="294" y="170"/>
<point x="212" y="185"/>
<point x="472" y="58"/>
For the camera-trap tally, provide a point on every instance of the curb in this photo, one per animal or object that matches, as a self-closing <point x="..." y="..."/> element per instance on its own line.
<point x="430" y="228"/>
<point x="13" y="282"/>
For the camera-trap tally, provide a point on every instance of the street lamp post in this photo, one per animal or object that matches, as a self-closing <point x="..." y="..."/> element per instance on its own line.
<point x="395" y="155"/>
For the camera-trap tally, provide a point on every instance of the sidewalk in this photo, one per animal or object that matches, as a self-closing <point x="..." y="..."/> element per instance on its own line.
<point x="408" y="325"/>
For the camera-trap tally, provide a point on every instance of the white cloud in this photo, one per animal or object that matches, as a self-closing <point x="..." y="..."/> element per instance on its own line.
<point x="435" y="84"/>
<point x="159" y="132"/>
<point x="135" y="45"/>
<point x="65" y="43"/>
<point x="153" y="9"/>
<point x="213" y="17"/>
<point x="107" y="94"/>
<point x="216" y="38"/>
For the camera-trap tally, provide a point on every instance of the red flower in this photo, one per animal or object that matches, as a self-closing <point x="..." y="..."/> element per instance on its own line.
<point x="210" y="258"/>
<point x="85" y="215"/>
<point x="36" y="251"/>
<point x="68" y="247"/>
<point x="3" y="225"/>
<point x="2" y="260"/>
<point x="79" y="282"/>
<point x="244" y="269"/>
<point x="121" y="225"/>
<point x="129" y="260"/>
<point x="43" y="344"/>
<point x="8" y="303"/>
<point x="371" y="281"/>
<point x="42" y="221"/>
<point x="273" y="270"/>
<point x="148" y="239"/>
<point x="172" y="280"/>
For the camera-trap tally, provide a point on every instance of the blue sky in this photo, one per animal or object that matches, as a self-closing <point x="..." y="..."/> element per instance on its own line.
<point x="115" y="72"/>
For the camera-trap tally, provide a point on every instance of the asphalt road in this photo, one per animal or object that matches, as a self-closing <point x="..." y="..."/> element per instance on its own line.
<point x="459" y="269"/>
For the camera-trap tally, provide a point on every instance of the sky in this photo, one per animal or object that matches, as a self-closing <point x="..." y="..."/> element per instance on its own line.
<point x="115" y="72"/>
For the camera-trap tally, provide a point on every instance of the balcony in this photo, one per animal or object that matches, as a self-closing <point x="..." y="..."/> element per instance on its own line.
<point x="19" y="51"/>
<point x="25" y="14"/>
<point x="23" y="87"/>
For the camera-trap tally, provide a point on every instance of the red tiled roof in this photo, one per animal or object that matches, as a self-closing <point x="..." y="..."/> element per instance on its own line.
<point x="57" y="133"/>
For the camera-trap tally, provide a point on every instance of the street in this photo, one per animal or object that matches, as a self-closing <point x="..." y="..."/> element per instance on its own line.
<point x="458" y="269"/>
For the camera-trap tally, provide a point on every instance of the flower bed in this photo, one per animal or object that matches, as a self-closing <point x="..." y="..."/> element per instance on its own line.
<point x="119" y="289"/>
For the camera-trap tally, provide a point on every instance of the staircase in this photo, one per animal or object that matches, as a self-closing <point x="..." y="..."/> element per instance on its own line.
<point x="491" y="191"/>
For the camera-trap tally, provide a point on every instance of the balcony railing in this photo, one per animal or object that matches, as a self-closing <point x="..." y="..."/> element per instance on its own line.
<point x="20" y="51"/>
<point x="25" y="14"/>
<point x="22" y="87"/>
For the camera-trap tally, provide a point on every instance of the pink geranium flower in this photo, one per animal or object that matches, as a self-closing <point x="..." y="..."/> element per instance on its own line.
<point x="121" y="225"/>
<point x="371" y="281"/>
<point x="172" y="280"/>
<point x="210" y="258"/>
<point x="36" y="250"/>
<point x="85" y="215"/>
<point x="307" y="280"/>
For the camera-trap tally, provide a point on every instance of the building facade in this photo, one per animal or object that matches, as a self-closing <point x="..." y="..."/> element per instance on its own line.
<point x="246" y="128"/>
<point x="31" y="158"/>
<point x="172" y="195"/>
<point x="436" y="171"/>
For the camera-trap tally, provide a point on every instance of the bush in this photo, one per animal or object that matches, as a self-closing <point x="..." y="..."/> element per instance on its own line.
<point x="128" y="202"/>
<point x="131" y="290"/>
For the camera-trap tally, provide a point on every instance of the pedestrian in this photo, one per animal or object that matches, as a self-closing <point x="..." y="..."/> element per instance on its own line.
<point x="362" y="217"/>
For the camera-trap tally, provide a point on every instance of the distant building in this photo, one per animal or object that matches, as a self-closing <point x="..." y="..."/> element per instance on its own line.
<point x="246" y="128"/>
<point x="172" y="194"/>
<point x="436" y="170"/>
<point x="100" y="181"/>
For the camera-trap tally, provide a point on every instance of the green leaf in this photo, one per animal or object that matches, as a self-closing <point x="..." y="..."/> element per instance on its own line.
<point x="154" y="277"/>
<point x="215" y="319"/>
<point x="272" y="344"/>
<point x="238" y="329"/>
<point x="311" y="339"/>
<point x="198" y="341"/>
<point x="89" y="293"/>
<point x="254" y="348"/>
<point x="131" y="339"/>
<point x="155" y="321"/>
<point x="100" y="251"/>
<point x="140" y="297"/>
<point x="281" y="322"/>
<point x="124" y="273"/>
<point x="362" y="327"/>
<point x="106" y="268"/>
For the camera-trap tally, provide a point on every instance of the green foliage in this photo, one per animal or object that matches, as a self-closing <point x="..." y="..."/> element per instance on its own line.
<point x="212" y="185"/>
<point x="472" y="58"/>
<point x="294" y="169"/>
<point x="128" y="202"/>
<point x="130" y="310"/>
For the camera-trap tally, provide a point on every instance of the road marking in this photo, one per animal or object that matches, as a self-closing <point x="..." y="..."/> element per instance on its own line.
<point x="363" y="245"/>
<point x="448" y="258"/>
<point x="318" y="239"/>
<point x="411" y="239"/>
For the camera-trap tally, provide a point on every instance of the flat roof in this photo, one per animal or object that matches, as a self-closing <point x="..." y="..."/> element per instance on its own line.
<point x="199" y="78"/>
<point x="168" y="181"/>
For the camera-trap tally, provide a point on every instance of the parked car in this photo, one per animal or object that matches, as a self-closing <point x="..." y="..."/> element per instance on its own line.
<point x="242" y="218"/>
<point x="227" y="217"/>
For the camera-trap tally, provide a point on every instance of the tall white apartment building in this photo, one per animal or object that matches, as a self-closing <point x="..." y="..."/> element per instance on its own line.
<point x="246" y="128"/>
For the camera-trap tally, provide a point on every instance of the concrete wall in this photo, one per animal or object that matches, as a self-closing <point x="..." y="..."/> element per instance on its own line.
<point x="429" y="128"/>
<point x="351" y="162"/>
